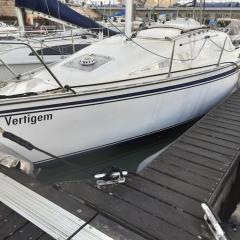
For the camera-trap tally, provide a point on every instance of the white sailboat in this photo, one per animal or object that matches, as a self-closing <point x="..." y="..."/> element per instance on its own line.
<point x="231" y="27"/>
<point x="119" y="89"/>
<point x="117" y="23"/>
<point x="6" y="30"/>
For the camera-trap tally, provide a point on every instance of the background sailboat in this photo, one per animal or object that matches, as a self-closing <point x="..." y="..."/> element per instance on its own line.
<point x="52" y="47"/>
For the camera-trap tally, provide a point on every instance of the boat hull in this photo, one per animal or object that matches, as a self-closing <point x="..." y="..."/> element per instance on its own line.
<point x="72" y="125"/>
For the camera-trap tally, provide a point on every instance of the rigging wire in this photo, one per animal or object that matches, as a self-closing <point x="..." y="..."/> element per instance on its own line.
<point x="47" y="8"/>
<point x="139" y="45"/>
<point x="146" y="49"/>
<point x="86" y="13"/>
<point x="113" y="25"/>
<point x="222" y="47"/>
<point x="59" y="16"/>
<point x="168" y="58"/>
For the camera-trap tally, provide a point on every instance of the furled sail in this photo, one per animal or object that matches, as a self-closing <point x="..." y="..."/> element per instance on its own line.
<point x="61" y="11"/>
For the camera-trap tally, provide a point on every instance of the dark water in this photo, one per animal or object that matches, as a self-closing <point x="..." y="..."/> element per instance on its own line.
<point x="126" y="156"/>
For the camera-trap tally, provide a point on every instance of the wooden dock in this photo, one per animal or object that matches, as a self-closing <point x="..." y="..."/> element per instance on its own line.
<point x="13" y="226"/>
<point x="162" y="202"/>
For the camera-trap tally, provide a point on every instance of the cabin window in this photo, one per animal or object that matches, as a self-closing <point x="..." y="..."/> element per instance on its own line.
<point x="223" y="24"/>
<point x="2" y="38"/>
<point x="66" y="49"/>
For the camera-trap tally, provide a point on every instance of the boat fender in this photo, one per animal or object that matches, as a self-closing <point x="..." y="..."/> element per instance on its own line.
<point x="24" y="143"/>
<point x="16" y="139"/>
<point x="27" y="166"/>
<point x="10" y="161"/>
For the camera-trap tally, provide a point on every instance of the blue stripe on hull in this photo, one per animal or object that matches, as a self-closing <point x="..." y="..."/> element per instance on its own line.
<point x="120" y="97"/>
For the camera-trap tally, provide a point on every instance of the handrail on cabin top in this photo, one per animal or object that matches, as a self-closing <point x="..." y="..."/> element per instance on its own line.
<point x="38" y="57"/>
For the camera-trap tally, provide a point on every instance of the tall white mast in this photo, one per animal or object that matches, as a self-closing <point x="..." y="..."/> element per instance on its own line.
<point x="20" y="21"/>
<point x="128" y="18"/>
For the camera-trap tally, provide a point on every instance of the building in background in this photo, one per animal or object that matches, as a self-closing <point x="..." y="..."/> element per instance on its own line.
<point x="159" y="3"/>
<point x="7" y="9"/>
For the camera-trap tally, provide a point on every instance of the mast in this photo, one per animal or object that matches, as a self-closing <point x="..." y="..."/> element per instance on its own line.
<point x="194" y="9"/>
<point x="20" y="21"/>
<point x="204" y="6"/>
<point x="231" y="9"/>
<point x="128" y="18"/>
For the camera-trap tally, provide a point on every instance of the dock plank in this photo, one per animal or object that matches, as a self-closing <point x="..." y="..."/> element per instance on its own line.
<point x="204" y="152"/>
<point x="10" y="224"/>
<point x="224" y="114"/>
<point x="219" y="128"/>
<point x="232" y="106"/>
<point x="229" y="110"/>
<point x="229" y="126"/>
<point x="183" y="174"/>
<point x="114" y="229"/>
<point x="193" y="167"/>
<point x="212" y="140"/>
<point x="233" y="100"/>
<point x="158" y="209"/>
<point x="177" y="185"/>
<point x="28" y="231"/>
<point x="141" y="221"/>
<point x="217" y="133"/>
<point x="15" y="227"/>
<point x="224" y="119"/>
<point x="45" y="237"/>
<point x="215" y="147"/>
<point x="227" y="122"/>
<point x="185" y="154"/>
<point x="4" y="211"/>
<point x="172" y="198"/>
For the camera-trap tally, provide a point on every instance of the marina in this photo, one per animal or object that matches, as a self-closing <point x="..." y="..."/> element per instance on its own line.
<point x="119" y="120"/>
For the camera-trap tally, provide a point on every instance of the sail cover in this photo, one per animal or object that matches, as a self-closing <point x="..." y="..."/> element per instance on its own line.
<point x="61" y="11"/>
<point x="233" y="28"/>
